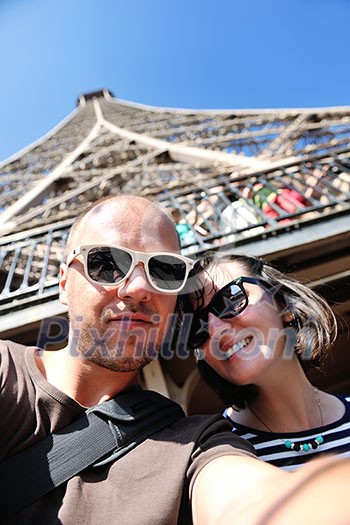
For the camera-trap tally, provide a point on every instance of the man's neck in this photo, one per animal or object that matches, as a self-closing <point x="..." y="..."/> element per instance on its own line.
<point x="87" y="383"/>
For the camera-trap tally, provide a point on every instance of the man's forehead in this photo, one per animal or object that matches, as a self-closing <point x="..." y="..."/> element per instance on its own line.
<point x="123" y="220"/>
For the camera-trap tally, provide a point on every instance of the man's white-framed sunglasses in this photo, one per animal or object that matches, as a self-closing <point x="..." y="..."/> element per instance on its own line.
<point x="110" y="265"/>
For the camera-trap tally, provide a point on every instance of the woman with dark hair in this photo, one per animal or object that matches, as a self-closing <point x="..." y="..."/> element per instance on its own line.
<point x="255" y="332"/>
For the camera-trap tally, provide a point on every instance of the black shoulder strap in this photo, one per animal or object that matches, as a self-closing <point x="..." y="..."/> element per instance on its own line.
<point x="103" y="434"/>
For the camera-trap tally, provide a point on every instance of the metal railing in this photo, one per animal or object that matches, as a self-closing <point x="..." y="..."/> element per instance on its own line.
<point x="29" y="266"/>
<point x="229" y="209"/>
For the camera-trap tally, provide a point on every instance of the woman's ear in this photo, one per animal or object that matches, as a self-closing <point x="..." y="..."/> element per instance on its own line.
<point x="63" y="284"/>
<point x="290" y="319"/>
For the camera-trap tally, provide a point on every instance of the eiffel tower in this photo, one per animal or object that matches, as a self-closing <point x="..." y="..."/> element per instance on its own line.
<point x="275" y="183"/>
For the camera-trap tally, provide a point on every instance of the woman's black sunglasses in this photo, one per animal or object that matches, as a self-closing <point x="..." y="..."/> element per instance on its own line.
<point x="228" y="302"/>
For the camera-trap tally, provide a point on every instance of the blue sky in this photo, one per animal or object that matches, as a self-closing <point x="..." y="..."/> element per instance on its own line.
<point x="183" y="53"/>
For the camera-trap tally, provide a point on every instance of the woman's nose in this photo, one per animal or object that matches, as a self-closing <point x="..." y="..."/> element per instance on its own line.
<point x="218" y="325"/>
<point x="220" y="331"/>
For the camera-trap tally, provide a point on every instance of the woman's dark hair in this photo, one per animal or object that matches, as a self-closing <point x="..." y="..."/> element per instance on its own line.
<point x="314" y="322"/>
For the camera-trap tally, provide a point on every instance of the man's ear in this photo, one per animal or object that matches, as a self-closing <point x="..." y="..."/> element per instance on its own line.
<point x="63" y="284"/>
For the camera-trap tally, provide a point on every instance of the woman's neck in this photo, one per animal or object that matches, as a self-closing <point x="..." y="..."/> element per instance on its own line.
<point x="286" y="402"/>
<point x="294" y="412"/>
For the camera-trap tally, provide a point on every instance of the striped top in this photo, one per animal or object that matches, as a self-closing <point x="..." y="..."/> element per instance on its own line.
<point x="270" y="446"/>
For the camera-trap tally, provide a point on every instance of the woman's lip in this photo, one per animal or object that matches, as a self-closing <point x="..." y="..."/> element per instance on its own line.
<point x="230" y="350"/>
<point x="228" y="343"/>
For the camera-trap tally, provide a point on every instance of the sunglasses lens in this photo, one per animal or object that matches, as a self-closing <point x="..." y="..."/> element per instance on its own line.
<point x="229" y="302"/>
<point x="108" y="265"/>
<point x="167" y="272"/>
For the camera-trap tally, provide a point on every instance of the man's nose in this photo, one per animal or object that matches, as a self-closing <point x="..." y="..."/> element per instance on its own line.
<point x="136" y="286"/>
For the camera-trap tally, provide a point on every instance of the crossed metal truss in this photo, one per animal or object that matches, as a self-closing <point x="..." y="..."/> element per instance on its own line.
<point x="229" y="178"/>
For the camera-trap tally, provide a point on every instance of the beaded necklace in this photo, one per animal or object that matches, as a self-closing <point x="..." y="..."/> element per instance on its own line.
<point x="299" y="446"/>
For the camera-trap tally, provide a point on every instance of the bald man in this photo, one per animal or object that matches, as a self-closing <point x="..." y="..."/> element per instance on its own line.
<point x="120" y="282"/>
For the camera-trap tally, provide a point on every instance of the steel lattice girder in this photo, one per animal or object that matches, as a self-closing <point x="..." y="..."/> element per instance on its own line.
<point x="207" y="167"/>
